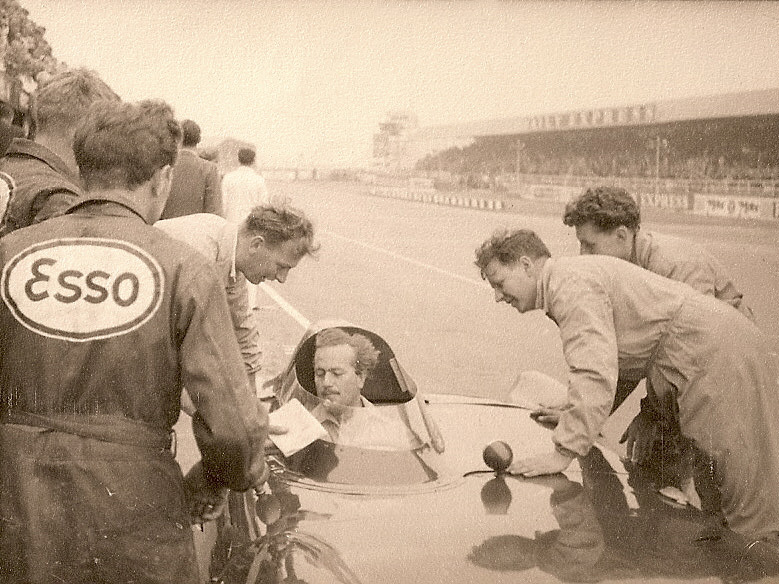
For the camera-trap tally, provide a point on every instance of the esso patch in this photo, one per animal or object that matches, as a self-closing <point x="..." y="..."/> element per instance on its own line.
<point x="82" y="289"/>
<point x="7" y="187"/>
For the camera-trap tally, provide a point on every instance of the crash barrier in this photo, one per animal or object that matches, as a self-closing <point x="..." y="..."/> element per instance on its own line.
<point x="674" y="186"/>
<point x="710" y="205"/>
<point x="429" y="195"/>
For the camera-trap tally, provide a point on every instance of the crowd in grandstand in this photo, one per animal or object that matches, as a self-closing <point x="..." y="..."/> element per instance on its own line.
<point x="627" y="156"/>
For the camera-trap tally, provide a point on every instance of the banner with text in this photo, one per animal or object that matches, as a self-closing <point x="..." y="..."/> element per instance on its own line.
<point x="736" y="207"/>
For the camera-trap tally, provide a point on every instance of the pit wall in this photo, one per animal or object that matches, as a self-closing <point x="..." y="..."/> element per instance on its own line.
<point x="731" y="206"/>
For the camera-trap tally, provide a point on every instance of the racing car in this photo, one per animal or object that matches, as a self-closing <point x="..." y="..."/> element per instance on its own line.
<point x="430" y="510"/>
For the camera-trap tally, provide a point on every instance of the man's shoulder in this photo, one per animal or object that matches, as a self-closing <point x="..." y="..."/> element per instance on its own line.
<point x="591" y="267"/>
<point x="34" y="169"/>
<point x="660" y="248"/>
<point x="174" y="255"/>
<point x="238" y="171"/>
<point x="190" y="160"/>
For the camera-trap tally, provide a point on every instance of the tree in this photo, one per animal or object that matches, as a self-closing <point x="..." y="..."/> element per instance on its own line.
<point x="25" y="50"/>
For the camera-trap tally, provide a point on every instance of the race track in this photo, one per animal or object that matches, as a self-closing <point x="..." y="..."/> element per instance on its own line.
<point x="405" y="270"/>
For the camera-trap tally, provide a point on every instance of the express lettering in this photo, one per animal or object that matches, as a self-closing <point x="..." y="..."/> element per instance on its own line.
<point x="96" y="286"/>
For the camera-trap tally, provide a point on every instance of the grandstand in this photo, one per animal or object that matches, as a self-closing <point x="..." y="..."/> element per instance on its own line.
<point x="713" y="155"/>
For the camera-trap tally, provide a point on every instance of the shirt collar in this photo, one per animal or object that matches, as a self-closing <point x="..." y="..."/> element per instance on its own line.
<point x="126" y="206"/>
<point x="640" y="246"/>
<point x="541" y="285"/>
<point x="233" y="235"/>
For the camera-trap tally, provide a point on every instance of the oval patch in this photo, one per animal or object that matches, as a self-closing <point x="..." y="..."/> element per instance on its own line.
<point x="82" y="289"/>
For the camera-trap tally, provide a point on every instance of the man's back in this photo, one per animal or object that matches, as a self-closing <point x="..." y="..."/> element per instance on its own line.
<point x="684" y="261"/>
<point x="104" y="319"/>
<point x="80" y="297"/>
<point x="44" y="185"/>
<point x="195" y="187"/>
<point x="243" y="189"/>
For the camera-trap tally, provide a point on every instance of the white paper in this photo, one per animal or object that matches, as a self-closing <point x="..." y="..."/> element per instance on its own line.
<point x="302" y="427"/>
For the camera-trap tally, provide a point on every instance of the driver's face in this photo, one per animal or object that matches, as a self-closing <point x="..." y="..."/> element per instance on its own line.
<point x="335" y="376"/>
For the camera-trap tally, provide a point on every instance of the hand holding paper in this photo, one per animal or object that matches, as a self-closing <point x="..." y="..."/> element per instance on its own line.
<point x="302" y="427"/>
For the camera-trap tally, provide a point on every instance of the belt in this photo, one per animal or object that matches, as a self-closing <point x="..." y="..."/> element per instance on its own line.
<point x="115" y="429"/>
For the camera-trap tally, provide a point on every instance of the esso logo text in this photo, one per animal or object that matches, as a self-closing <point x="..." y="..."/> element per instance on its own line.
<point x="82" y="289"/>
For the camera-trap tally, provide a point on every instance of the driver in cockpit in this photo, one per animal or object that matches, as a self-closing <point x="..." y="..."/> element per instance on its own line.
<point x="342" y="363"/>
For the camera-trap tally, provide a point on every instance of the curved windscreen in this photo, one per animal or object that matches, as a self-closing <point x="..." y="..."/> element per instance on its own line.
<point x="386" y="443"/>
<point x="391" y="427"/>
<point x="376" y="449"/>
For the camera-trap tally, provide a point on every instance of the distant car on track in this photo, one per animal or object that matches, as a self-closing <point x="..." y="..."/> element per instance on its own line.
<point x="433" y="512"/>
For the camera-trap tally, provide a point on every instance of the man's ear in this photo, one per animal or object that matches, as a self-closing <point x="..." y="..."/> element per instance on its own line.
<point x="525" y="263"/>
<point x="622" y="233"/>
<point x="257" y="241"/>
<point x="161" y="180"/>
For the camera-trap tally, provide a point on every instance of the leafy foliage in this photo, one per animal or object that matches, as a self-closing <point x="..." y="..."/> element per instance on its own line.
<point x="27" y="52"/>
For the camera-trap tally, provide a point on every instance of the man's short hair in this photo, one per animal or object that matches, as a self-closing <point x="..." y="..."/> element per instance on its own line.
<point x="246" y="156"/>
<point x="278" y="222"/>
<point x="605" y="207"/>
<point x="508" y="245"/>
<point x="122" y="145"/>
<point x="366" y="355"/>
<point x="190" y="134"/>
<point x="64" y="99"/>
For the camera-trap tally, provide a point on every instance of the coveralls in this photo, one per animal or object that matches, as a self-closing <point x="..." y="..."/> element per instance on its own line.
<point x="707" y="367"/>
<point x="215" y="238"/>
<point x="45" y="185"/>
<point x="103" y="319"/>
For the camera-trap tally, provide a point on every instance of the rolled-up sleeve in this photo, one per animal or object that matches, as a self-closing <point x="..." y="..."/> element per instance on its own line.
<point x="230" y="426"/>
<point x="584" y="315"/>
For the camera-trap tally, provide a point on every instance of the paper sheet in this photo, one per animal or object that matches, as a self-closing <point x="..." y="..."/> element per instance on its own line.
<point x="302" y="427"/>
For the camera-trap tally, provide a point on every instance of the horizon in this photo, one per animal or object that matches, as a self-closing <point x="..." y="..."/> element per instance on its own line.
<point x="311" y="81"/>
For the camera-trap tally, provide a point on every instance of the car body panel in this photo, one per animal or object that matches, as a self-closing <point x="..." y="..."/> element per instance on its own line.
<point x="343" y="514"/>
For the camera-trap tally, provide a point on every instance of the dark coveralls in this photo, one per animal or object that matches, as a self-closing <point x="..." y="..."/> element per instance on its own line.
<point x="45" y="185"/>
<point x="103" y="319"/>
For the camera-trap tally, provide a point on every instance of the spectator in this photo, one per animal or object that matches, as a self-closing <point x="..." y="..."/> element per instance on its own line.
<point x="196" y="184"/>
<point x="244" y="188"/>
<point x="45" y="171"/>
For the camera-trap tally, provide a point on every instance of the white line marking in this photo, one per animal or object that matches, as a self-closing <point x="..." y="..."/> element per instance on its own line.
<point x="288" y="308"/>
<point x="406" y="259"/>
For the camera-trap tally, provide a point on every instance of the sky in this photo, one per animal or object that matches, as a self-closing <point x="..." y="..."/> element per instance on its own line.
<point x="309" y="82"/>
